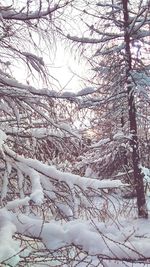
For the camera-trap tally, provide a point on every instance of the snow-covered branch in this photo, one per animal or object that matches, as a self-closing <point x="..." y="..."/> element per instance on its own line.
<point x="68" y="178"/>
<point x="14" y="15"/>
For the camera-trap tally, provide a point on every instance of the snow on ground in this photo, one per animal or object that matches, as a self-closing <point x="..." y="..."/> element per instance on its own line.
<point x="125" y="239"/>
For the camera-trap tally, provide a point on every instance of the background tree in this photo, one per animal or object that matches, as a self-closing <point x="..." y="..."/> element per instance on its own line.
<point x="119" y="31"/>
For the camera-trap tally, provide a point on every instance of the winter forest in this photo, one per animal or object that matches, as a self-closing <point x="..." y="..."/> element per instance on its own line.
<point x="75" y="162"/>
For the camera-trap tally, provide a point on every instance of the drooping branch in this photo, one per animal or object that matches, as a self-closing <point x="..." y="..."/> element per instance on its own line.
<point x="14" y="15"/>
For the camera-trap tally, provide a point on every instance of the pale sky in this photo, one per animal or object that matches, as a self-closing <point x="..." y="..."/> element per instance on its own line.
<point x="68" y="69"/>
<point x="64" y="67"/>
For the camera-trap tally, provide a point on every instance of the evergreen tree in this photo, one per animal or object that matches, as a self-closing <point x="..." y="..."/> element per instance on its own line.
<point x="119" y="33"/>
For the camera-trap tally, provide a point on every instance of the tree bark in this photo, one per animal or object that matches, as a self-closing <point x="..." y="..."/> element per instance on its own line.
<point x="138" y="177"/>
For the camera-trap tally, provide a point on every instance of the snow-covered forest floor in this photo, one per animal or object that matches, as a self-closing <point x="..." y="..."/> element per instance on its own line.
<point x="108" y="235"/>
<point x="105" y="231"/>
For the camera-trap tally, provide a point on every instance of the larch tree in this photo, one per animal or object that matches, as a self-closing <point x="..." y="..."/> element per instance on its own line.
<point x="118" y="34"/>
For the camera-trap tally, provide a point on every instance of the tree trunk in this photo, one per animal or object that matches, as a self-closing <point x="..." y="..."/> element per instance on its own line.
<point x="138" y="177"/>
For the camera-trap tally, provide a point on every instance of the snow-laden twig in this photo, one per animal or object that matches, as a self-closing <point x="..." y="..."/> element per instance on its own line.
<point x="69" y="178"/>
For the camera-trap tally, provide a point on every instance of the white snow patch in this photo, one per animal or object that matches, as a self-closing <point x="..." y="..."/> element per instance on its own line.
<point x="86" y="91"/>
<point x="118" y="135"/>
<point x="3" y="138"/>
<point x="101" y="142"/>
<point x="17" y="202"/>
<point x="9" y="248"/>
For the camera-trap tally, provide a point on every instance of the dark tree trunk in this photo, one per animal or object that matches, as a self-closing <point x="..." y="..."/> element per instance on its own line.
<point x="138" y="177"/>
